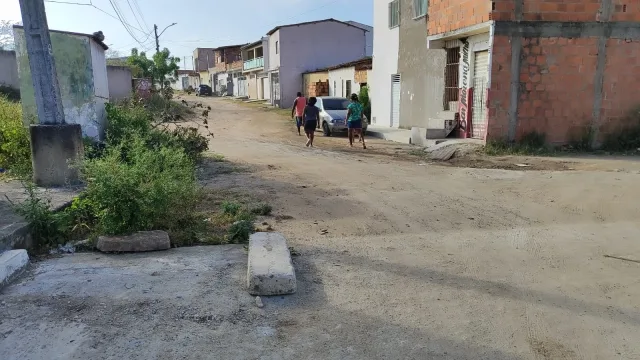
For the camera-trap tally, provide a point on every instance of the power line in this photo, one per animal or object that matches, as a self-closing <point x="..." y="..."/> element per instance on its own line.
<point x="127" y="26"/>
<point x="134" y="14"/>
<point x="135" y="3"/>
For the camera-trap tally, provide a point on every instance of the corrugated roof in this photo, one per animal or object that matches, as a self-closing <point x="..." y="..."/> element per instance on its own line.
<point x="91" y="36"/>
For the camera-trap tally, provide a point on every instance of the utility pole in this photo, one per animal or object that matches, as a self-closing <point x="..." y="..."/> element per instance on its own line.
<point x="41" y="62"/>
<point x="155" y="30"/>
<point x="55" y="146"/>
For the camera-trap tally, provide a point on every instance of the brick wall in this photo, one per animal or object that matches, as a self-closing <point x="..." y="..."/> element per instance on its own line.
<point x="500" y="92"/>
<point x="547" y="10"/>
<point x="319" y="88"/>
<point x="625" y="10"/>
<point x="449" y="15"/>
<point x="557" y="87"/>
<point x="233" y="58"/>
<point x="620" y="88"/>
<point x="360" y="76"/>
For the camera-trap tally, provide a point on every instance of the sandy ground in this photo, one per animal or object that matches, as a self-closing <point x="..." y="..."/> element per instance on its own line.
<point x="419" y="261"/>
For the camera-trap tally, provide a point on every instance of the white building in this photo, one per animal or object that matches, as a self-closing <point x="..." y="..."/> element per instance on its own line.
<point x="385" y="81"/>
<point x="299" y="48"/>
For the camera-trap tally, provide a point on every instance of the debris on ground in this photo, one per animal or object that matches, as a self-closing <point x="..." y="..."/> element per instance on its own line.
<point x="259" y="302"/>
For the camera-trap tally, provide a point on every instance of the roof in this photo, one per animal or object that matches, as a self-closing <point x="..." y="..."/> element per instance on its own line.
<point x="365" y="62"/>
<point x="187" y="72"/>
<point x="256" y="43"/>
<point x="229" y="46"/>
<point x="312" y="22"/>
<point x="360" y="25"/>
<point x="90" y="36"/>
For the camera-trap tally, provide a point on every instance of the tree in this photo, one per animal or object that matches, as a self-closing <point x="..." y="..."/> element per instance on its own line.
<point x="6" y="34"/>
<point x="162" y="69"/>
<point x="165" y="67"/>
<point x="141" y="66"/>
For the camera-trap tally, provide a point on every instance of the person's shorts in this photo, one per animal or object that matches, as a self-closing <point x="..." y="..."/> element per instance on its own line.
<point x="310" y="126"/>
<point x="354" y="124"/>
<point x="298" y="121"/>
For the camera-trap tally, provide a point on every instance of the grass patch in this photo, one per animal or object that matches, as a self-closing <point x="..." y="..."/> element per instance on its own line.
<point x="262" y="209"/>
<point x="533" y="144"/>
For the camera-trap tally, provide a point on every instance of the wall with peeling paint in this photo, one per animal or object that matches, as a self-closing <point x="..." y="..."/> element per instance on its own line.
<point x="81" y="69"/>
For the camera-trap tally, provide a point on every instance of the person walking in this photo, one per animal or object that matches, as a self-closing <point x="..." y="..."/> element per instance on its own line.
<point x="311" y="119"/>
<point x="298" y="109"/>
<point x="354" y="120"/>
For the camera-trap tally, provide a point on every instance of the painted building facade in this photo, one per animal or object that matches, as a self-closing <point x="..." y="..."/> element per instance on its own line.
<point x="226" y="72"/>
<point x="9" y="69"/>
<point x="384" y="90"/>
<point x="203" y="59"/>
<point x="255" y="60"/>
<point x="82" y="76"/>
<point x="304" y="47"/>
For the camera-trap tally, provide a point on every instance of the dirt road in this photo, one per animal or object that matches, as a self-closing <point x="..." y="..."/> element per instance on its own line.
<point x="419" y="261"/>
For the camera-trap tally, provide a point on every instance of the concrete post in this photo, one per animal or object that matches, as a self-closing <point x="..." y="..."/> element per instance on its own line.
<point x="41" y="62"/>
<point x="55" y="146"/>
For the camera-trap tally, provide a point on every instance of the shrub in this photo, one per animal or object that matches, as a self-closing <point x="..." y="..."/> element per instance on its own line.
<point x="230" y="208"/>
<point x="137" y="188"/>
<point x="12" y="94"/>
<point x="47" y="228"/>
<point x="240" y="231"/>
<point x="364" y="99"/>
<point x="125" y="120"/>
<point x="15" y="151"/>
<point x="262" y="209"/>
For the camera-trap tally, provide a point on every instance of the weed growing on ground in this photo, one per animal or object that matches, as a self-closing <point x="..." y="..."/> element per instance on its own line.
<point x="230" y="208"/>
<point x="530" y="144"/>
<point x="47" y="227"/>
<point x="262" y="209"/>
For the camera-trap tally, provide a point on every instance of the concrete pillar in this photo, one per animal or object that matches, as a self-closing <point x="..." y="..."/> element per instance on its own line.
<point x="55" y="146"/>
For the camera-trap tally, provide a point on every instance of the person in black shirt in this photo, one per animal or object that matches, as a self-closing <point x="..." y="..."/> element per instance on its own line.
<point x="311" y="118"/>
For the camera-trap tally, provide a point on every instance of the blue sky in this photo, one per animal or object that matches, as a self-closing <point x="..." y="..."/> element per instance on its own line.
<point x="201" y="23"/>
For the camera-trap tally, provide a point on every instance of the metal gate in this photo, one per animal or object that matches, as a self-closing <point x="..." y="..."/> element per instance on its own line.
<point x="395" y="101"/>
<point x="242" y="86"/>
<point x="275" y="89"/>
<point x="480" y="79"/>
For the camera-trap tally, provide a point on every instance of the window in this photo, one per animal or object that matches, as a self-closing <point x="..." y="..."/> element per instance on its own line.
<point x="348" y="88"/>
<point x="335" y="104"/>
<point x="335" y="89"/>
<point x="277" y="47"/>
<point x="394" y="14"/>
<point x="342" y="88"/>
<point x="419" y="8"/>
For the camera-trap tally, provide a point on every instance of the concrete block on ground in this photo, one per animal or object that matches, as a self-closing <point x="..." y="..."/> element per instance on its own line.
<point x="270" y="270"/>
<point x="12" y="263"/>
<point x="54" y="150"/>
<point x="139" y="242"/>
<point x="418" y="136"/>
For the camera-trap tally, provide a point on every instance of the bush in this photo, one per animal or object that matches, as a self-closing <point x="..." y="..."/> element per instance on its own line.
<point x="230" y="208"/>
<point x="15" y="151"/>
<point x="10" y="93"/>
<point x="125" y="120"/>
<point x="47" y="228"/>
<point x="364" y="99"/>
<point x="137" y="188"/>
<point x="262" y="209"/>
<point x="240" y="232"/>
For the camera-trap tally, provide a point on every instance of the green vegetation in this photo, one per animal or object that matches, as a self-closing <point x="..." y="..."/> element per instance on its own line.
<point x="15" y="151"/>
<point x="364" y="99"/>
<point x="533" y="143"/>
<point x="143" y="177"/>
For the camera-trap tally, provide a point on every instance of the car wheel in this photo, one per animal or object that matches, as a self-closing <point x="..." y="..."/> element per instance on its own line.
<point x="325" y="129"/>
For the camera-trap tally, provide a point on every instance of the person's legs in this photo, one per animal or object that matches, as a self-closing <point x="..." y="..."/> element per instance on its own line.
<point x="311" y="136"/>
<point x="364" y="145"/>
<point x="298" y="124"/>
<point x="350" y="135"/>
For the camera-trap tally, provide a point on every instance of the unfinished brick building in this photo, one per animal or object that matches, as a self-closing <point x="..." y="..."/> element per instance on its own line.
<point x="568" y="69"/>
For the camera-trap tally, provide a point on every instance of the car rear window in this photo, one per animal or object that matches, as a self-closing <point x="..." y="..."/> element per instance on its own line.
<point x="335" y="104"/>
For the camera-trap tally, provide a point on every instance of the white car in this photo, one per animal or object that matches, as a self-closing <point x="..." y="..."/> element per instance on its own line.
<point x="333" y="113"/>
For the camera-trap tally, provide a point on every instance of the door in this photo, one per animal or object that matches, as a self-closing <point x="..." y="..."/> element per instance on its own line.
<point x="395" y="100"/>
<point x="479" y="109"/>
<point x="242" y="86"/>
<point x="266" y="92"/>
<point x="275" y="89"/>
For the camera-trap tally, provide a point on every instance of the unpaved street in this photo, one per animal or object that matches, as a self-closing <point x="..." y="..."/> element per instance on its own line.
<point x="419" y="261"/>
